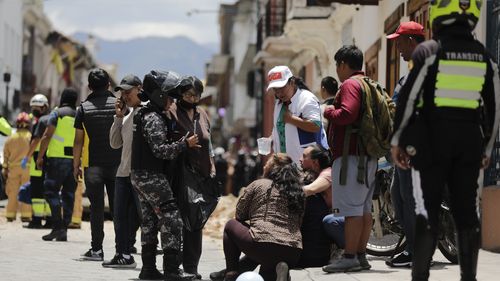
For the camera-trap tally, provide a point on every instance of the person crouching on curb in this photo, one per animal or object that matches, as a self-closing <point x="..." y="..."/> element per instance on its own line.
<point x="150" y="148"/>
<point x="274" y="242"/>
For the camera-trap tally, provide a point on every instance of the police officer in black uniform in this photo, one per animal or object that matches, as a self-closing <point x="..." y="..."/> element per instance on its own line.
<point x="150" y="148"/>
<point x="446" y="123"/>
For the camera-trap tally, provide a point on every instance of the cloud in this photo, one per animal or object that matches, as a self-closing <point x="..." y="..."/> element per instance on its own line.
<point x="126" y="19"/>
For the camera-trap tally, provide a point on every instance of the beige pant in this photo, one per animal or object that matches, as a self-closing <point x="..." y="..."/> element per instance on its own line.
<point x="16" y="177"/>
<point x="78" y="208"/>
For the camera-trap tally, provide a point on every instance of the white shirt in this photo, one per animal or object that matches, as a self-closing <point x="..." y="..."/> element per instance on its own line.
<point x="305" y="105"/>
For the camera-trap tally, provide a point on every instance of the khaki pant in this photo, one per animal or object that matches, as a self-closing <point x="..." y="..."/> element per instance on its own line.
<point x="76" y="219"/>
<point x="17" y="176"/>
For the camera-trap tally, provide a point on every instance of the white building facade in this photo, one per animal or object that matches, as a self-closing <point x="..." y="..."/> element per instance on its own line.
<point x="11" y="34"/>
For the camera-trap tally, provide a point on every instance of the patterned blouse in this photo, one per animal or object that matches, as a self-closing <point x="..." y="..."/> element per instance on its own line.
<point x="267" y="211"/>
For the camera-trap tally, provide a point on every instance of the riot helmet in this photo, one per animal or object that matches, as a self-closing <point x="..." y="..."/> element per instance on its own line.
<point x="159" y="85"/>
<point x="451" y="12"/>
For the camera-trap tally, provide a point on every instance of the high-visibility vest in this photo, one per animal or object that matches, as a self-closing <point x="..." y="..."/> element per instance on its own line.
<point x="459" y="84"/>
<point x="34" y="172"/>
<point x="5" y="128"/>
<point x="61" y="143"/>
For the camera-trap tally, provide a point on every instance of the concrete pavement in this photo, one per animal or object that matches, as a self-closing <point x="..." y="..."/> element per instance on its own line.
<point x="24" y="256"/>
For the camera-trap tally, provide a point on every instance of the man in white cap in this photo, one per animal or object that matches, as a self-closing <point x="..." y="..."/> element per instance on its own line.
<point x="297" y="115"/>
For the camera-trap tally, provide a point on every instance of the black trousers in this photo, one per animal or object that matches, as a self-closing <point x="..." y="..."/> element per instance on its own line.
<point x="191" y="250"/>
<point x="456" y="147"/>
<point x="96" y="178"/>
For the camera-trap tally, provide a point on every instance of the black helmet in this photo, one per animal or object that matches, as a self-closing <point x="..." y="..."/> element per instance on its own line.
<point x="159" y="85"/>
<point x="189" y="82"/>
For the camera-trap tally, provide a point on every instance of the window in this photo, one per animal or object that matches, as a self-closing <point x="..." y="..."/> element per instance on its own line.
<point x="418" y="10"/>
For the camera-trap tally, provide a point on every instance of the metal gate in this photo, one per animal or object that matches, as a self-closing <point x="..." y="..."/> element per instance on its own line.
<point x="492" y="174"/>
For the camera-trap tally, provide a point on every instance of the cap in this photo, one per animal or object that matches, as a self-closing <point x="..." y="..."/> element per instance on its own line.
<point x="128" y="82"/>
<point x="278" y="76"/>
<point x="409" y="28"/>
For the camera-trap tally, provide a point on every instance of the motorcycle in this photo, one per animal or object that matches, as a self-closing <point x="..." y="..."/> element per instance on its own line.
<point x="387" y="237"/>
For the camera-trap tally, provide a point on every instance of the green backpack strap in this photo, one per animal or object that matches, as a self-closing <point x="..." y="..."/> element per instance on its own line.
<point x="345" y="150"/>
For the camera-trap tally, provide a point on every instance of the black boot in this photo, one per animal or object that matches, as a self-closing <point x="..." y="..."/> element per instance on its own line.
<point x="171" y="261"/>
<point x="48" y="223"/>
<point x="148" y="270"/>
<point x="468" y="249"/>
<point x="35" y="223"/>
<point x="57" y="234"/>
<point x="424" y="247"/>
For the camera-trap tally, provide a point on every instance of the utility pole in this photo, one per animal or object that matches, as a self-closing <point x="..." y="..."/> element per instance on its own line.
<point x="6" y="79"/>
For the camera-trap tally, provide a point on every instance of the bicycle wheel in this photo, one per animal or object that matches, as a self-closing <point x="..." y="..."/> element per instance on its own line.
<point x="386" y="246"/>
<point x="447" y="243"/>
<point x="386" y="238"/>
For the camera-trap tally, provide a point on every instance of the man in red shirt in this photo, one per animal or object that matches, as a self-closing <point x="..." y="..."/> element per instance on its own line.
<point x="352" y="199"/>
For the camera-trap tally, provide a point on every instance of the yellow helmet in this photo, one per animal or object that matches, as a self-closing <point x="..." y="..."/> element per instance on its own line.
<point x="449" y="12"/>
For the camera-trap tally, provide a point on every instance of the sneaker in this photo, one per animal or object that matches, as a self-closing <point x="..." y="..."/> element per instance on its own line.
<point x="282" y="273"/>
<point x="92" y="255"/>
<point x="401" y="260"/>
<point x="343" y="265"/>
<point x="363" y="262"/>
<point x="119" y="261"/>
<point x="218" y="275"/>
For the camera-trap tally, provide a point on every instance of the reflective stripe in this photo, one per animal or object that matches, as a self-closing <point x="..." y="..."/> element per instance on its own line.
<point x="466" y="95"/>
<point x="58" y="138"/>
<point x="459" y="82"/>
<point x="466" y="71"/>
<point x="496" y="92"/>
<point x="451" y="102"/>
<point x="418" y="194"/>
<point x="38" y="206"/>
<point x="462" y="64"/>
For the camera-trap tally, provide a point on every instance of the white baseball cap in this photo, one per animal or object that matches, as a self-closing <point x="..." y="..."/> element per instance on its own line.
<point x="278" y="76"/>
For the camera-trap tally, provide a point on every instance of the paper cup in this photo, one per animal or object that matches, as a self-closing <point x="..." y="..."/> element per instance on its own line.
<point x="264" y="145"/>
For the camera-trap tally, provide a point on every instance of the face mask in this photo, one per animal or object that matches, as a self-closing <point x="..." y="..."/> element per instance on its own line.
<point x="36" y="113"/>
<point x="187" y="105"/>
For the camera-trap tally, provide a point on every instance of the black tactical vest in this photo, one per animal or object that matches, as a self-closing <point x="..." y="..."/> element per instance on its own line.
<point x="142" y="156"/>
<point x="98" y="110"/>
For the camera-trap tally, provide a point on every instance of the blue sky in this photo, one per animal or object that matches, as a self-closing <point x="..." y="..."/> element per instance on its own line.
<point x="126" y="19"/>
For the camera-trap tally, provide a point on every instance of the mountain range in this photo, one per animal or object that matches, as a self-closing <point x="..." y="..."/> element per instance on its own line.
<point x="139" y="56"/>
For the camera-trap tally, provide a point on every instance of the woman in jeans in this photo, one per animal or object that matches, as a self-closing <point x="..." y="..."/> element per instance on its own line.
<point x="273" y="207"/>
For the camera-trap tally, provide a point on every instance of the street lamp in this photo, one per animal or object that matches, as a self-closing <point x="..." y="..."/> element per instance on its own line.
<point x="6" y="79"/>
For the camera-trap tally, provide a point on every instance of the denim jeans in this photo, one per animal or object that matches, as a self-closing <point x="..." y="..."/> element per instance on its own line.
<point x="126" y="215"/>
<point x="334" y="228"/>
<point x="95" y="179"/>
<point x="404" y="204"/>
<point x="59" y="172"/>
